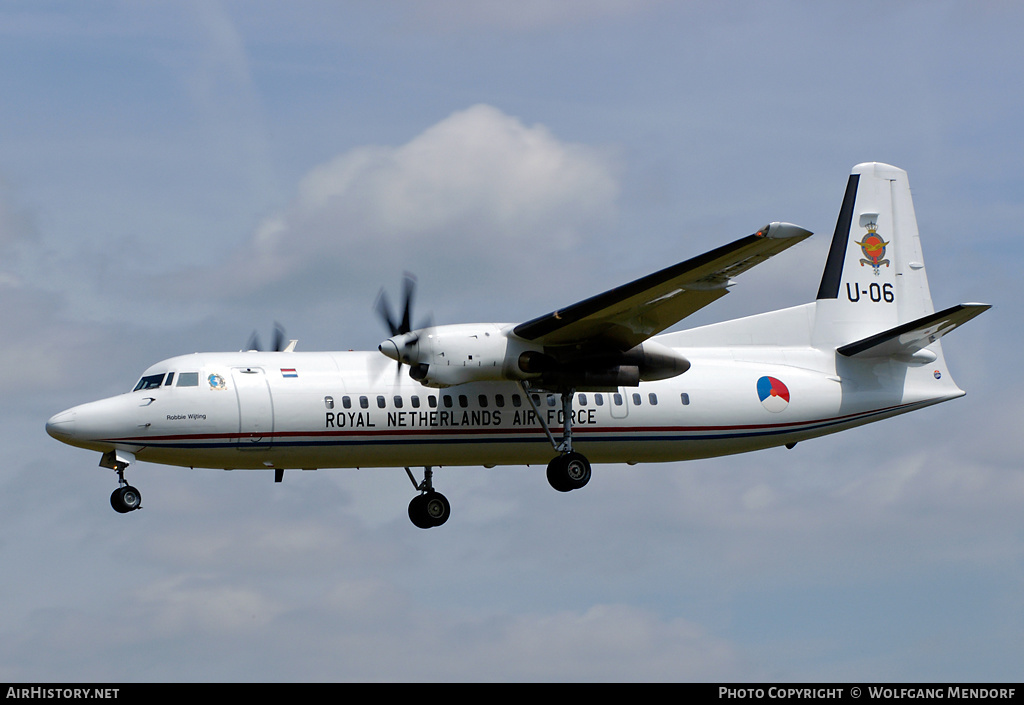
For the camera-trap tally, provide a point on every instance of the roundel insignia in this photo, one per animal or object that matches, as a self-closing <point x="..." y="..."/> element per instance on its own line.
<point x="774" y="395"/>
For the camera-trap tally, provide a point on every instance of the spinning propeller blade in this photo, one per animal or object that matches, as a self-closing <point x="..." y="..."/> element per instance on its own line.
<point x="400" y="325"/>
<point x="279" y="341"/>
<point x="397" y="325"/>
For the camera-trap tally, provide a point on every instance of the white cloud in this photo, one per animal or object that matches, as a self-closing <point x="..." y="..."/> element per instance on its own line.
<point x="205" y="606"/>
<point x="588" y="645"/>
<point x="477" y="193"/>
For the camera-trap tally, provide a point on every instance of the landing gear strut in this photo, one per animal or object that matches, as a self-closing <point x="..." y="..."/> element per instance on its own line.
<point x="429" y="508"/>
<point x="569" y="470"/>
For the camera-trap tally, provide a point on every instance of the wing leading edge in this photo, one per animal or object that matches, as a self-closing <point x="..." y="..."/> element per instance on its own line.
<point x="624" y="317"/>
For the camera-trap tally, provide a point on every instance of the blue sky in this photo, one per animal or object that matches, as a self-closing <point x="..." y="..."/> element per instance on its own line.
<point x="175" y="175"/>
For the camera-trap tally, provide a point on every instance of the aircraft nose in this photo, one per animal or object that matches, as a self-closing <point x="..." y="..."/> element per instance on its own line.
<point x="62" y="426"/>
<point x="89" y="425"/>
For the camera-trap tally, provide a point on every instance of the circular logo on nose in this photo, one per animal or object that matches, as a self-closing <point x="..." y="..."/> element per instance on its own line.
<point x="774" y="395"/>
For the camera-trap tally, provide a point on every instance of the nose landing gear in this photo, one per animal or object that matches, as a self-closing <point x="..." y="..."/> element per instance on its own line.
<point x="125" y="498"/>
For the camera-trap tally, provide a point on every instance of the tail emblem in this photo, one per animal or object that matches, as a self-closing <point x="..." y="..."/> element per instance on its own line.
<point x="873" y="248"/>
<point x="774" y="395"/>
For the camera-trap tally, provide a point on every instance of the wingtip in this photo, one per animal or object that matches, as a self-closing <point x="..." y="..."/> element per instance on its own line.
<point x="778" y="231"/>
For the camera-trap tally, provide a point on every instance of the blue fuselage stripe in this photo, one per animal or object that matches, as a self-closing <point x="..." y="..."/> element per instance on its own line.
<point x="300" y="439"/>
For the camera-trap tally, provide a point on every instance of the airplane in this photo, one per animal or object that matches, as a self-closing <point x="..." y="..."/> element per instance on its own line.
<point x="599" y="381"/>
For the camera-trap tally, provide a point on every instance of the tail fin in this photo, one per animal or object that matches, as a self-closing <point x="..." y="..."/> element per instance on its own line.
<point x="874" y="278"/>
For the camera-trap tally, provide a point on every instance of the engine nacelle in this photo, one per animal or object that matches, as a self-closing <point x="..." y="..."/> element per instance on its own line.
<point x="656" y="361"/>
<point x="596" y="379"/>
<point x="443" y="356"/>
<point x="646" y="362"/>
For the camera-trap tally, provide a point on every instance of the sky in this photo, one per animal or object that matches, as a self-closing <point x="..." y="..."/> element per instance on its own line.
<point x="175" y="175"/>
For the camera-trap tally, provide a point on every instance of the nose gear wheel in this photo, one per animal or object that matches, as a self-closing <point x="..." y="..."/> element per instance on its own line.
<point x="125" y="498"/>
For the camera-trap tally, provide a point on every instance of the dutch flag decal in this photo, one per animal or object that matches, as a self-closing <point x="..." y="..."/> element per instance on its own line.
<point x="289" y="372"/>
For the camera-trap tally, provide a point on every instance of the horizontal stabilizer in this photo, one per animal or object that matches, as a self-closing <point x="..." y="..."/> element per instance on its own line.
<point x="904" y="341"/>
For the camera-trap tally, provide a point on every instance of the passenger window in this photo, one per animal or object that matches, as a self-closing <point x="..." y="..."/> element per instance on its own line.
<point x="329" y="402"/>
<point x="432" y="402"/>
<point x="499" y="400"/>
<point x="188" y="379"/>
<point x="447" y="401"/>
<point x="618" y="399"/>
<point x="364" y="403"/>
<point x="517" y="401"/>
<point x="150" y="382"/>
<point x="415" y="402"/>
<point x="463" y="401"/>
<point x="685" y="398"/>
<point x="398" y="402"/>
<point x="583" y="399"/>
<point x="346" y="402"/>
<point x="636" y="399"/>
<point x="482" y="399"/>
<point x="599" y="399"/>
<point x="381" y="403"/>
<point x="653" y="398"/>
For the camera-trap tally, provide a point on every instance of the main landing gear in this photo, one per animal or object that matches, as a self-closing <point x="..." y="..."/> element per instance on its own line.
<point x="429" y="508"/>
<point x="569" y="470"/>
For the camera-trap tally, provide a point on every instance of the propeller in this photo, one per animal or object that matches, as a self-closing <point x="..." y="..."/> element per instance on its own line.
<point x="279" y="340"/>
<point x="404" y="324"/>
<point x="401" y="323"/>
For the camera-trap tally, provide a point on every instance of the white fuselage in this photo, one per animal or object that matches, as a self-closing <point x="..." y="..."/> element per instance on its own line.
<point x="357" y="409"/>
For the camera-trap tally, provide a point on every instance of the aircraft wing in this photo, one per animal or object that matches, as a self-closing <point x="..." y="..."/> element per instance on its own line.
<point x="624" y="317"/>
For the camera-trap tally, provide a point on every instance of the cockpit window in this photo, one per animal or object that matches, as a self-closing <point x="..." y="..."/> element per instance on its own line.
<point x="150" y="382"/>
<point x="188" y="379"/>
